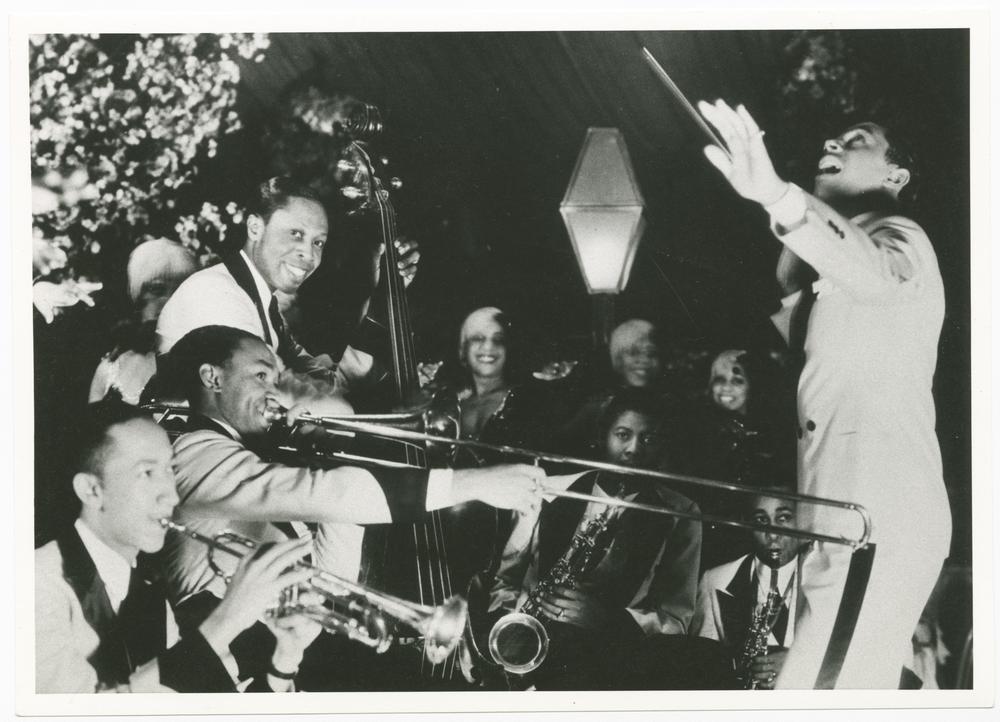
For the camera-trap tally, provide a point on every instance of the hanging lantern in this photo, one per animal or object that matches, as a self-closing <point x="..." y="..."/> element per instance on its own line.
<point x="603" y="213"/>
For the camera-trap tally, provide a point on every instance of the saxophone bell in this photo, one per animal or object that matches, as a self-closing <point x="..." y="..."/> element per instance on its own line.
<point x="519" y="643"/>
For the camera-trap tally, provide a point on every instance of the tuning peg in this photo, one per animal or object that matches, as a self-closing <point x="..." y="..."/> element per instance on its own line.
<point x="396" y="183"/>
<point x="347" y="166"/>
<point x="352" y="192"/>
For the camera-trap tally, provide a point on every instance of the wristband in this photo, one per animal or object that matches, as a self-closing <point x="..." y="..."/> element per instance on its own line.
<point x="271" y="670"/>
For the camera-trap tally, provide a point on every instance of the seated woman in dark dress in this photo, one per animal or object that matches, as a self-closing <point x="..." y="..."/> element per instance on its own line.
<point x="495" y="404"/>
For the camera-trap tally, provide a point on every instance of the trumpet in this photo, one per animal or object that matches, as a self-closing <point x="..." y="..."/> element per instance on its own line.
<point x="348" y="608"/>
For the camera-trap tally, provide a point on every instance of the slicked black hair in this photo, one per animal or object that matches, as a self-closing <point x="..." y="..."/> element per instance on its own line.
<point x="901" y="151"/>
<point x="91" y="441"/>
<point x="209" y="344"/>
<point x="275" y="193"/>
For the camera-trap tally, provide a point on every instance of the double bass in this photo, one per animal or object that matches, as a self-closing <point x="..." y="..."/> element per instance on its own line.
<point x="421" y="561"/>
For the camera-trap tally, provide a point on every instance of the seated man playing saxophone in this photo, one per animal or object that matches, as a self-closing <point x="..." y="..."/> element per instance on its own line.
<point x="614" y="589"/>
<point x="749" y="604"/>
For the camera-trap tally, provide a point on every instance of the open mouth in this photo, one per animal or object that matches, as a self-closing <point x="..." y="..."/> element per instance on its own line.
<point x="297" y="274"/>
<point x="829" y="166"/>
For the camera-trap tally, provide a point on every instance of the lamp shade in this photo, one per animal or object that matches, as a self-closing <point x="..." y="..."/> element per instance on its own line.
<point x="603" y="211"/>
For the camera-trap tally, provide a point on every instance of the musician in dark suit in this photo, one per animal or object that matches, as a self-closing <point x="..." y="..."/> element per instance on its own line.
<point x="729" y="594"/>
<point x="287" y="229"/>
<point x="616" y="625"/>
<point x="102" y="621"/>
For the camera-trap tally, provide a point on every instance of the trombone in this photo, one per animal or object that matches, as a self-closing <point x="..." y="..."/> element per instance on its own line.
<point x="348" y="608"/>
<point x="400" y="426"/>
<point x="388" y="430"/>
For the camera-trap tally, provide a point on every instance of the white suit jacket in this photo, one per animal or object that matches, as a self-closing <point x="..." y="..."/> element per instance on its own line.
<point x="866" y="412"/>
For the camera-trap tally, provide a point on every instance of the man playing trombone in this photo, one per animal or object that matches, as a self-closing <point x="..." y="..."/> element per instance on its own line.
<point x="102" y="622"/>
<point x="228" y="376"/>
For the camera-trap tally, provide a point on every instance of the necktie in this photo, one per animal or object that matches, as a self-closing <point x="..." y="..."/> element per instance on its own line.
<point x="279" y="326"/>
<point x="781" y="623"/>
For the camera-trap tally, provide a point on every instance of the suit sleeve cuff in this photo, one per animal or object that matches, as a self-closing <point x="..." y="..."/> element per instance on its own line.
<point x="192" y="665"/>
<point x="405" y="492"/>
<point x="626" y="625"/>
<point x="789" y="211"/>
<point x="439" y="489"/>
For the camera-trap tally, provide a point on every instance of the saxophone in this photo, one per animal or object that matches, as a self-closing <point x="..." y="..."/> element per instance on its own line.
<point x="518" y="641"/>
<point x="763" y="620"/>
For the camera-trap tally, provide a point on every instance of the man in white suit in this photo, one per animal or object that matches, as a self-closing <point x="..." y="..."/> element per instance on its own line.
<point x="866" y="413"/>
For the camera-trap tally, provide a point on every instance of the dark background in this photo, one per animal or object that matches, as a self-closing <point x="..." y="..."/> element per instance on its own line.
<point x="484" y="130"/>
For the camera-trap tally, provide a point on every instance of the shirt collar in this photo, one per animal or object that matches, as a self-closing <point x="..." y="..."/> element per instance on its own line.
<point x="114" y="570"/>
<point x="263" y="291"/>
<point x="785" y="573"/>
<point x="599" y="491"/>
<point x="228" y="427"/>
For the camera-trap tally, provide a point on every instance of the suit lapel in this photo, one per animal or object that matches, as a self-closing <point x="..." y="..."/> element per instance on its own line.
<point x="638" y="539"/>
<point x="238" y="269"/>
<point x="558" y="522"/>
<point x="736" y="603"/>
<point x="199" y="422"/>
<point x="111" y="658"/>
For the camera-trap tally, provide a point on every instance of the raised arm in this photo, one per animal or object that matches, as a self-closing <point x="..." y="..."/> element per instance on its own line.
<point x="868" y="265"/>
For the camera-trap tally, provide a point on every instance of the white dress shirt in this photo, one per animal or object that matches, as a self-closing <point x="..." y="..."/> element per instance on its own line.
<point x="212" y="297"/>
<point x="116" y="572"/>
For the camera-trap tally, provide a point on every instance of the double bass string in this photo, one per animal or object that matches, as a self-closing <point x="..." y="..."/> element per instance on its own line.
<point x="438" y="572"/>
<point x="684" y="102"/>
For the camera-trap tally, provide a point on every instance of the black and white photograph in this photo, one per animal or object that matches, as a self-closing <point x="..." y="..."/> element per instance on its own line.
<point x="533" y="366"/>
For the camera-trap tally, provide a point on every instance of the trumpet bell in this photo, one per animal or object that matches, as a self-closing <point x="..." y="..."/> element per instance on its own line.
<point x="443" y="628"/>
<point x="518" y="642"/>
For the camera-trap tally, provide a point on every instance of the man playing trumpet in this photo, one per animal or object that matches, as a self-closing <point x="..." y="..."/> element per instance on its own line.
<point x="102" y="622"/>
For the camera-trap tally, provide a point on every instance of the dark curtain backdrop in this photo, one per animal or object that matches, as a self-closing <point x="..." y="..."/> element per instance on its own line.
<point x="484" y="130"/>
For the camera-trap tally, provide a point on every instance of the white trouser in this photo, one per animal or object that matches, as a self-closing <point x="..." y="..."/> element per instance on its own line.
<point x="902" y="579"/>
